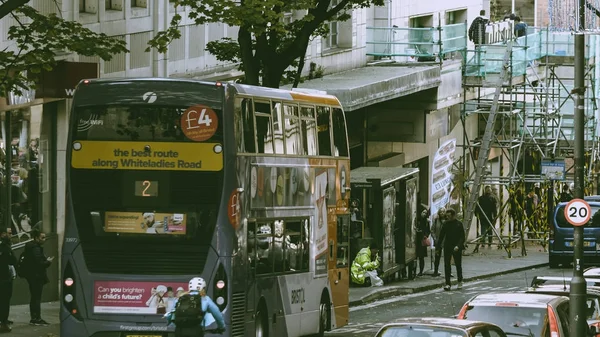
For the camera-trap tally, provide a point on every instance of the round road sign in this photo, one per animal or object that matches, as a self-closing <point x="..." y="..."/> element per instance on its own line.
<point x="578" y="212"/>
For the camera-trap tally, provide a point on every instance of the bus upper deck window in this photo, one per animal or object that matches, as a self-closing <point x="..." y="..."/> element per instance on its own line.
<point x="278" y="141"/>
<point x="339" y="133"/>
<point x="324" y="129"/>
<point x="309" y="130"/>
<point x="264" y="134"/>
<point x="293" y="141"/>
<point x="245" y="126"/>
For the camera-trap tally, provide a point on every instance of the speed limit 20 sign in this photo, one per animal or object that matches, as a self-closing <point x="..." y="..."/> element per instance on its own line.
<point x="578" y="212"/>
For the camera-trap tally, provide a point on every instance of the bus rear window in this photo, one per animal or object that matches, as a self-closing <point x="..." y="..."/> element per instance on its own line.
<point x="562" y="222"/>
<point x="144" y="123"/>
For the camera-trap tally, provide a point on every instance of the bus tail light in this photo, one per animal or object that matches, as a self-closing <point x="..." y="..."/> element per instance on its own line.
<point x="68" y="292"/>
<point x="220" y="287"/>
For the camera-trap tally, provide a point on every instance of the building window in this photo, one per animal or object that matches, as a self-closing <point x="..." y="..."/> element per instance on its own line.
<point x="331" y="40"/>
<point x="113" y="5"/>
<point x="88" y="6"/>
<point x="139" y="3"/>
<point x="456" y="16"/>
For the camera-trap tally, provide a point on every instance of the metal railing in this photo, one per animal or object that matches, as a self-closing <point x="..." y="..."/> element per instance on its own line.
<point x="435" y="43"/>
<point x="416" y="44"/>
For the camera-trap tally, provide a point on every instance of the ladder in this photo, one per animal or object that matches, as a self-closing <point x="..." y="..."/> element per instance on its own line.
<point x="488" y="134"/>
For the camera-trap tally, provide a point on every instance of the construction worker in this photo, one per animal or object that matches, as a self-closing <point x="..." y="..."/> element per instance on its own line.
<point x="367" y="259"/>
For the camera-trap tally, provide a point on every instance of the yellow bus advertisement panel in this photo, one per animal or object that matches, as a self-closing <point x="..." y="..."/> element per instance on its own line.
<point x="168" y="156"/>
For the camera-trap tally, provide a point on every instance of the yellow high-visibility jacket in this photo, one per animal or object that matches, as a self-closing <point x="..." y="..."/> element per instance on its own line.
<point x="363" y="263"/>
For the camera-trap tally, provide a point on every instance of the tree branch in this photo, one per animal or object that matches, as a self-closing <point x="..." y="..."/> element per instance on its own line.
<point x="251" y="66"/>
<point x="10" y="5"/>
<point x="320" y="14"/>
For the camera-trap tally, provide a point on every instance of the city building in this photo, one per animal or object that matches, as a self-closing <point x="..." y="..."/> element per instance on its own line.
<point x="403" y="73"/>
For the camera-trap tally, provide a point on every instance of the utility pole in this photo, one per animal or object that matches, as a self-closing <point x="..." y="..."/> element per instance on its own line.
<point x="577" y="296"/>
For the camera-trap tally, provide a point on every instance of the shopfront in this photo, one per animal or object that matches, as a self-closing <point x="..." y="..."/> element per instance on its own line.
<point x="33" y="127"/>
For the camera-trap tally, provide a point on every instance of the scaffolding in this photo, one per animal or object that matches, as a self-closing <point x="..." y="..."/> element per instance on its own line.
<point x="533" y="130"/>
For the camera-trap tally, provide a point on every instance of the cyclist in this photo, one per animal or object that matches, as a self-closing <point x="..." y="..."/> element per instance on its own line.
<point x="189" y="313"/>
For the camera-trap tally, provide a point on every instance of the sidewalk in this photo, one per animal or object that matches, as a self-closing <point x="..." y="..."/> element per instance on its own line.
<point x="21" y="328"/>
<point x="488" y="262"/>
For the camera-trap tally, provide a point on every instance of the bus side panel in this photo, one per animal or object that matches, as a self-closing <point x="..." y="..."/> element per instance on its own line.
<point x="339" y="283"/>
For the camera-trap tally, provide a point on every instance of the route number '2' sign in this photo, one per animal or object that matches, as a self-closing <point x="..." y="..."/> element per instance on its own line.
<point x="578" y="212"/>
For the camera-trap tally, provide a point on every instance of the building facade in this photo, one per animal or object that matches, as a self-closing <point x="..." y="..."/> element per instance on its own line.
<point x="400" y="107"/>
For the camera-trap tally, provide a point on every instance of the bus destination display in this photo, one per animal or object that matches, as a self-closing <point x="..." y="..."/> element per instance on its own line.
<point x="146" y="188"/>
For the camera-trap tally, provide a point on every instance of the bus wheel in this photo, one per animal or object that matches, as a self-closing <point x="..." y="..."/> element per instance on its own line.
<point x="260" y="323"/>
<point x="324" y="315"/>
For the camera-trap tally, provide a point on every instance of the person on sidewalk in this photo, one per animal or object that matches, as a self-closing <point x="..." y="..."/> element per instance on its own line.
<point x="422" y="235"/>
<point x="487" y="212"/>
<point x="436" y="228"/>
<point x="367" y="259"/>
<point x="452" y="239"/>
<point x="34" y="272"/>
<point x="7" y="275"/>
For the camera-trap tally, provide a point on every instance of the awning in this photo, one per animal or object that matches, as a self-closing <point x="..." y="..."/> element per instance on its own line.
<point x="361" y="177"/>
<point x="361" y="87"/>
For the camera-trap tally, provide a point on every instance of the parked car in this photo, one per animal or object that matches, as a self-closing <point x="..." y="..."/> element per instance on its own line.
<point x="592" y="302"/>
<point x="593" y="297"/>
<point x="537" y="315"/>
<point x="561" y="280"/>
<point x="591" y="273"/>
<point x="439" y="327"/>
<point x="560" y="243"/>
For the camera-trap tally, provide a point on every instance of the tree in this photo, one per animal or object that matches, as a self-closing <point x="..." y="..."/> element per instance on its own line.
<point x="266" y="46"/>
<point x="39" y="39"/>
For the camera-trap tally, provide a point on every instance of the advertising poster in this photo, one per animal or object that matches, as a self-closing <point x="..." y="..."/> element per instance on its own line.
<point x="143" y="298"/>
<point x="146" y="223"/>
<point x="146" y="156"/>
<point x="320" y="227"/>
<point x="441" y="176"/>
<point x="411" y="218"/>
<point x="389" y="220"/>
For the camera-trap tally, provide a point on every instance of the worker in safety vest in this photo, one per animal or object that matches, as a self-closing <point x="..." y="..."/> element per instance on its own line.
<point x="367" y="259"/>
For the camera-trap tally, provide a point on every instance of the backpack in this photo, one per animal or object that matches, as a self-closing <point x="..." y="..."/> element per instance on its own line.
<point x="24" y="264"/>
<point x="188" y="311"/>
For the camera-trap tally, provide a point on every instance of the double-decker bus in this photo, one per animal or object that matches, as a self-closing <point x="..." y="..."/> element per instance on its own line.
<point x="167" y="180"/>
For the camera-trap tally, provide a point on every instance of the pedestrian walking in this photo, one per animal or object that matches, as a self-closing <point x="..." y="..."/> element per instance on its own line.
<point x="422" y="235"/>
<point x="436" y="228"/>
<point x="7" y="275"/>
<point x="477" y="29"/>
<point x="452" y="239"/>
<point x="33" y="268"/>
<point x="520" y="27"/>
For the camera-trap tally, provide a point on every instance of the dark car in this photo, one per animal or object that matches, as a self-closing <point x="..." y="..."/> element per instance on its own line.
<point x="560" y="243"/>
<point x="535" y="315"/>
<point x="439" y="327"/>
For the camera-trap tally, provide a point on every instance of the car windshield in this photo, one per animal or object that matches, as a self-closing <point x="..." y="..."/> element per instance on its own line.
<point x="420" y="331"/>
<point x="518" y="320"/>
